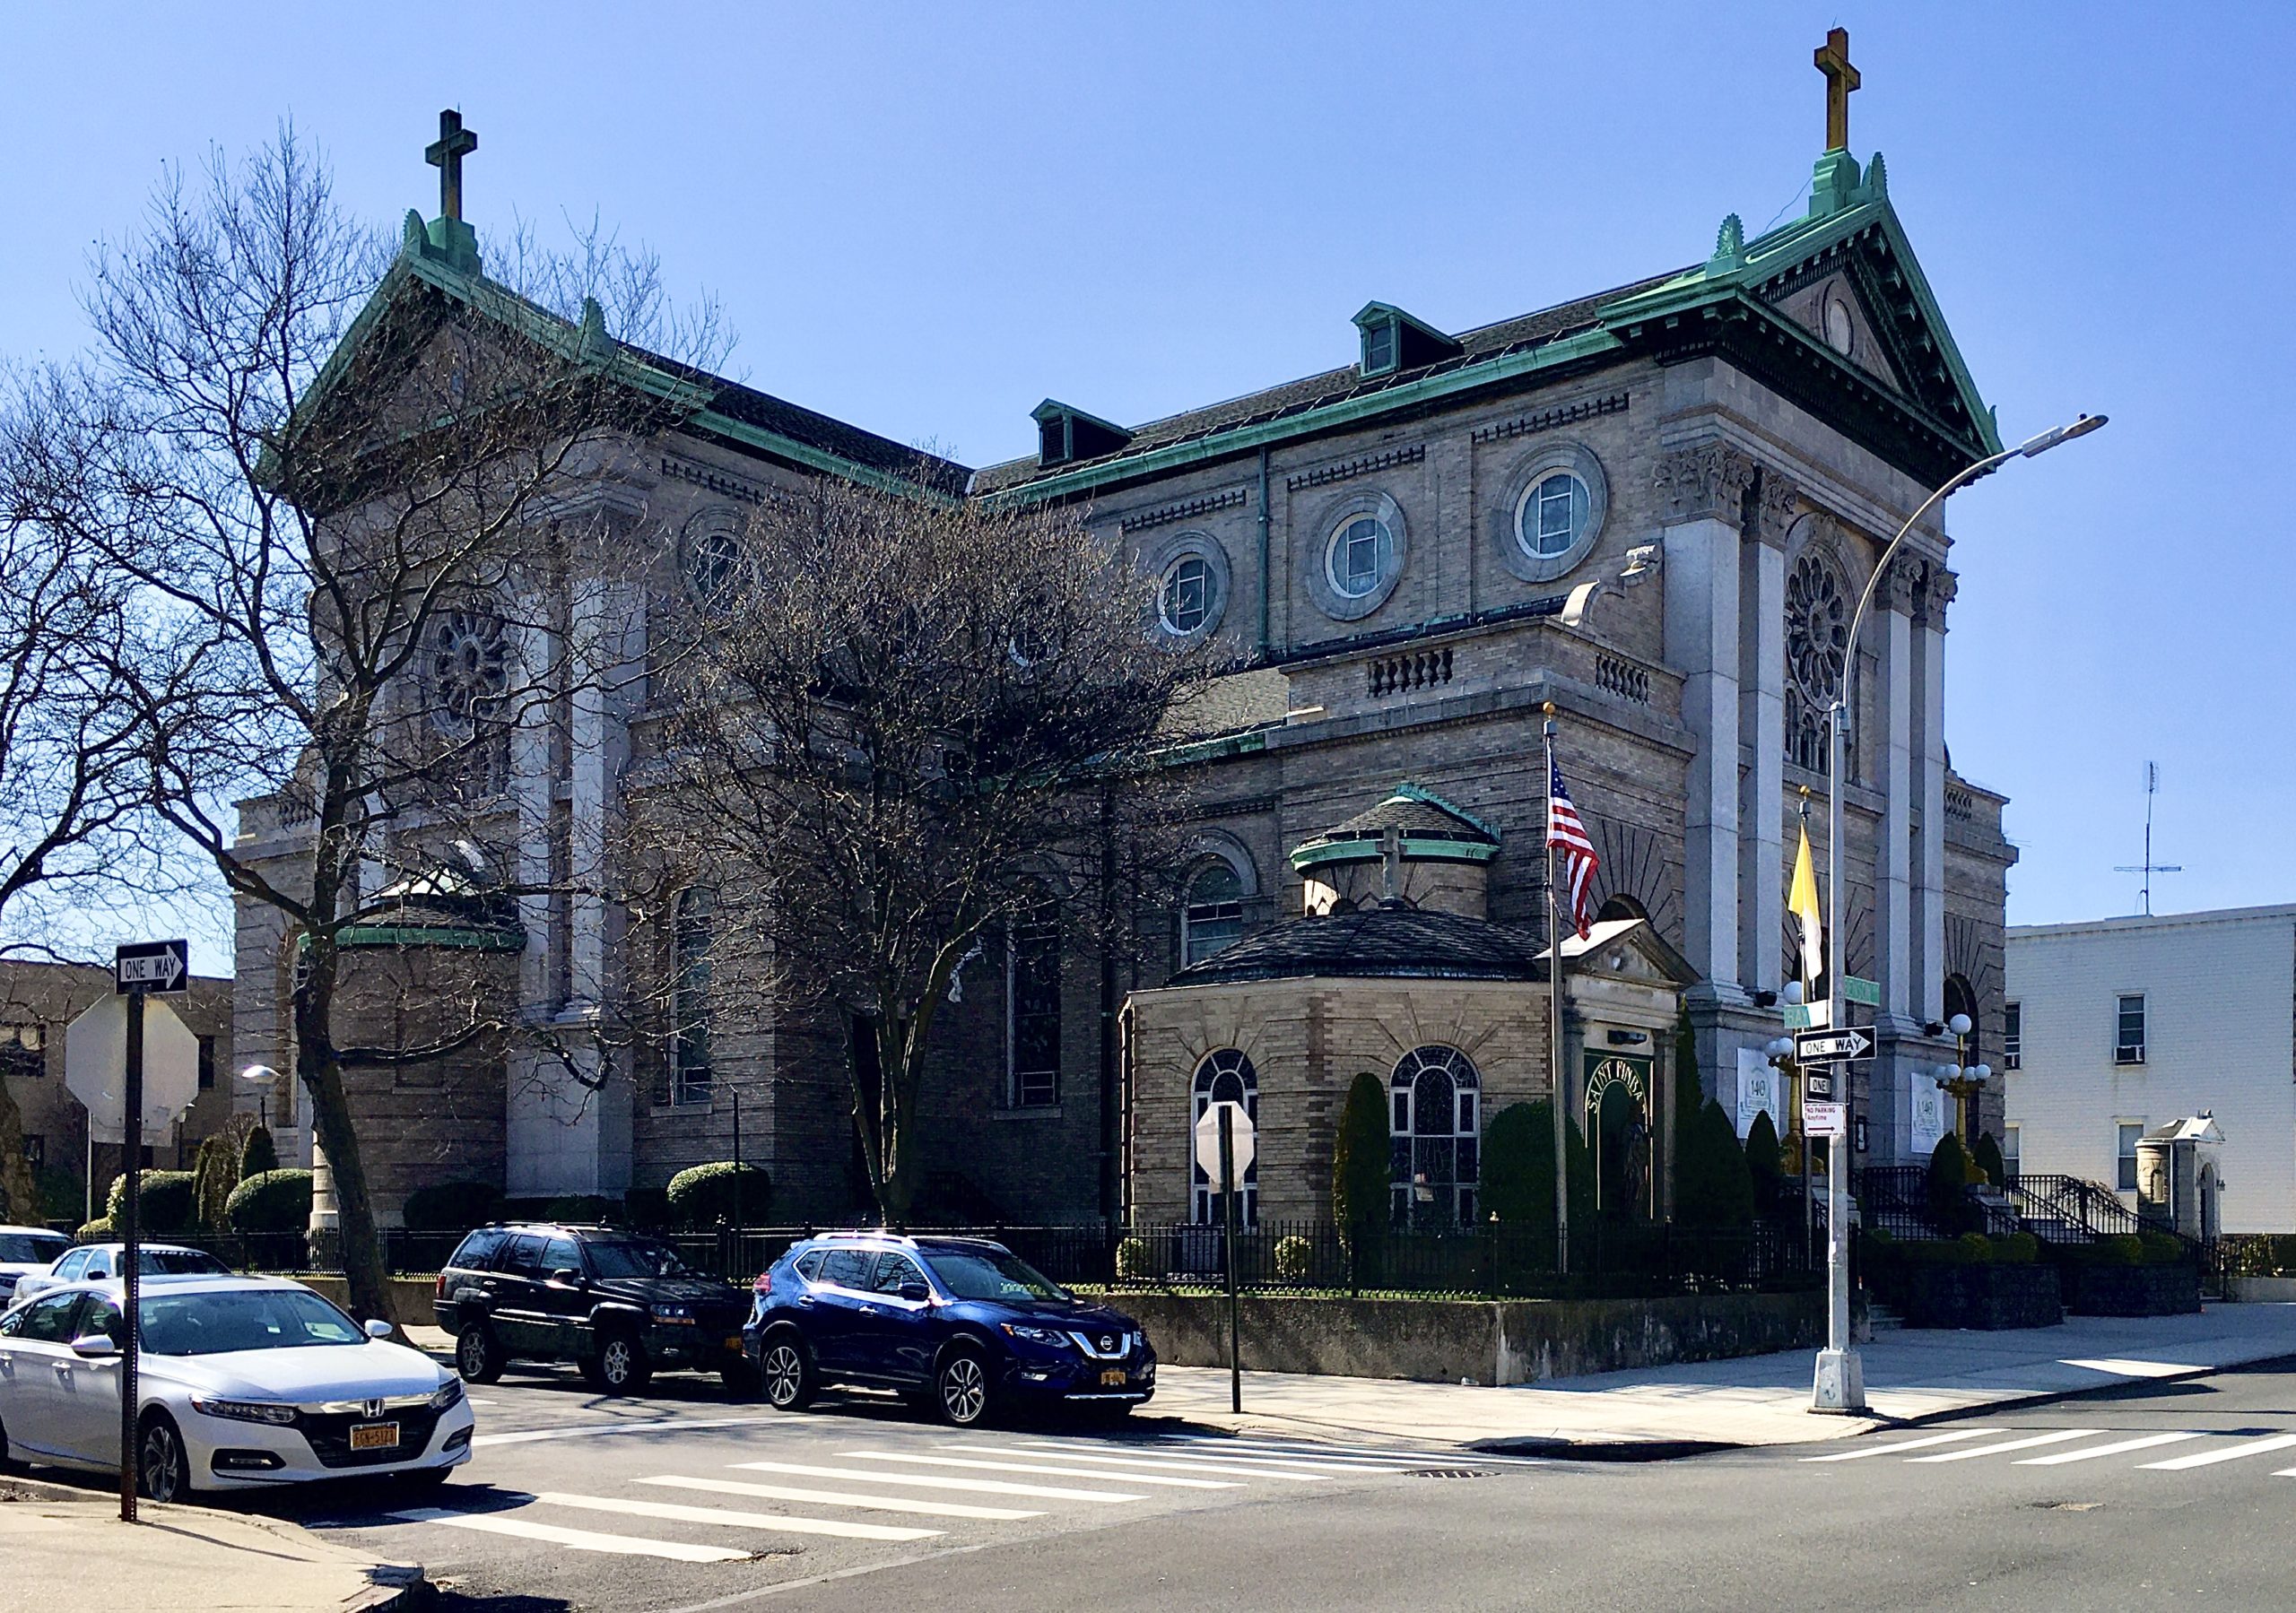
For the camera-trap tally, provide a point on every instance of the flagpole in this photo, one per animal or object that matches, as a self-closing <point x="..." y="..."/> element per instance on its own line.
<point x="1554" y="1024"/>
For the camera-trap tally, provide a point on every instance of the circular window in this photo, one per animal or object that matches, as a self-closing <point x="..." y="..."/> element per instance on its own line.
<point x="711" y="557"/>
<point x="470" y="669"/>
<point x="1817" y="627"/>
<point x="1362" y="552"/>
<point x="1185" y="600"/>
<point x="1552" y="515"/>
<point x="1841" y="326"/>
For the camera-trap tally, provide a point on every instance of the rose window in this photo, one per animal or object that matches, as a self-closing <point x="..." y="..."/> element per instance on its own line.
<point x="470" y="669"/>
<point x="1817" y="650"/>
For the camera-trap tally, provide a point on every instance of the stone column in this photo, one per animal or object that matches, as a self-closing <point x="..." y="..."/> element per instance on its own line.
<point x="1893" y="776"/>
<point x="1929" y="870"/>
<point x="1761" y="715"/>
<point x="533" y="777"/>
<point x="1703" y="489"/>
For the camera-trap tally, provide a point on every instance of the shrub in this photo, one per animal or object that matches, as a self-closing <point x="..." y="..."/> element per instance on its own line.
<point x="2017" y="1249"/>
<point x="700" y="1195"/>
<point x="452" y="1206"/>
<point x="97" y="1231"/>
<point x="1762" y="1161"/>
<point x="1294" y="1257"/>
<point x="2127" y="1250"/>
<point x="212" y="1177"/>
<point x="595" y="1210"/>
<point x="274" y="1201"/>
<point x="1518" y="1180"/>
<point x="61" y="1193"/>
<point x="164" y="1204"/>
<point x="1986" y="1156"/>
<point x="1360" y="1166"/>
<point x="259" y="1154"/>
<point x="1133" y="1262"/>
<point x="1949" y="1174"/>
<point x="1977" y="1249"/>
<point x="2160" y="1248"/>
<point x="1713" y="1190"/>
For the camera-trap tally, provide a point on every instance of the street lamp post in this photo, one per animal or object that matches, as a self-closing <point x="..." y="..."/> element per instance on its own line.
<point x="1839" y="1384"/>
<point x="263" y="1078"/>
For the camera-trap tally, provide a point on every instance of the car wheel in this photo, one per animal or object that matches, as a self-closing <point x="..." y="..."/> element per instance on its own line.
<point x="961" y="1390"/>
<point x="784" y="1373"/>
<point x="162" y="1470"/>
<point x="620" y="1366"/>
<point x="4" y="1445"/>
<point x="477" y="1357"/>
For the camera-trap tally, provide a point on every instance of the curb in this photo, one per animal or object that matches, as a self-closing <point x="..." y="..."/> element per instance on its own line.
<point x="391" y="1587"/>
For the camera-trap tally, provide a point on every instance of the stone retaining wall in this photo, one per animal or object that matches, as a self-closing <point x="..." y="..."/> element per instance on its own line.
<point x="410" y="1296"/>
<point x="1479" y="1342"/>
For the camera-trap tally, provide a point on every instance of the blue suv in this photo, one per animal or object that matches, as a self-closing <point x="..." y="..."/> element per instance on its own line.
<point x="961" y="1325"/>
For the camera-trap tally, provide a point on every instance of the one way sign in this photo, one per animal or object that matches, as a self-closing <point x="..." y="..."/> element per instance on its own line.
<point x="1830" y="1046"/>
<point x="152" y="965"/>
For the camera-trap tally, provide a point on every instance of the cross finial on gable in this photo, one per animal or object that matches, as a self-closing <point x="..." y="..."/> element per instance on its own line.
<point x="445" y="154"/>
<point x="1833" y="59"/>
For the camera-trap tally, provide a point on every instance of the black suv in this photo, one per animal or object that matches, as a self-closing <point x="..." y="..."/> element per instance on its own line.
<point x="616" y="1303"/>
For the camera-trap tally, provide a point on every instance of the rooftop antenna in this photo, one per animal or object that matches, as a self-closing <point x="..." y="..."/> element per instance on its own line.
<point x="2148" y="868"/>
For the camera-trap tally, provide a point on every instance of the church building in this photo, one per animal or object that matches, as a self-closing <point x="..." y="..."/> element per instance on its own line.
<point x="1651" y="510"/>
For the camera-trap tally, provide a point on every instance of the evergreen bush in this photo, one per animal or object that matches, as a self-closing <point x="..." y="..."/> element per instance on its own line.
<point x="1360" y="1168"/>
<point x="1518" y="1188"/>
<point x="452" y="1206"/>
<point x="2017" y="1249"/>
<point x="1762" y="1161"/>
<point x="98" y="1231"/>
<point x="1133" y="1261"/>
<point x="1714" y="1191"/>
<point x="2160" y="1248"/>
<point x="1977" y="1249"/>
<point x="701" y="1194"/>
<point x="213" y="1175"/>
<point x="1949" y="1173"/>
<point x="259" y="1154"/>
<point x="164" y="1204"/>
<point x="274" y="1201"/>
<point x="1295" y="1259"/>
<point x="1986" y="1156"/>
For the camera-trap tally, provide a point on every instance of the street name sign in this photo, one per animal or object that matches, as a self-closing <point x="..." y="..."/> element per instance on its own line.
<point x="1826" y="1120"/>
<point x="152" y="965"/>
<point x="95" y="1067"/>
<point x="1832" y="1046"/>
<point x="1807" y="1016"/>
<point x="1241" y="1143"/>
<point x="1855" y="990"/>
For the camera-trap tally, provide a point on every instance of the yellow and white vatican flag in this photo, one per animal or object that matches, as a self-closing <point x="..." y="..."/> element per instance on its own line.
<point x="1803" y="903"/>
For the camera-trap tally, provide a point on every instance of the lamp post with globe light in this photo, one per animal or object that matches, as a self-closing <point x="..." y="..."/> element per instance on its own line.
<point x="1838" y="1383"/>
<point x="263" y="1078"/>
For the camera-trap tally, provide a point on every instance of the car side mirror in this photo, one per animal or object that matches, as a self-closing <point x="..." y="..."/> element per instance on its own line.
<point x="567" y="1275"/>
<point x="916" y="1293"/>
<point x="377" y="1328"/>
<point x="94" y="1346"/>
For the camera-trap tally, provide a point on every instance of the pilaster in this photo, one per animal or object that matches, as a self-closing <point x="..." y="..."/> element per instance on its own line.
<point x="1762" y="846"/>
<point x="1704" y="489"/>
<point x="1929" y="875"/>
<point x="1893" y="857"/>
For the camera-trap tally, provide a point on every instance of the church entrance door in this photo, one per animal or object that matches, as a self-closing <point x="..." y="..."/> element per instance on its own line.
<point x="1618" y="1132"/>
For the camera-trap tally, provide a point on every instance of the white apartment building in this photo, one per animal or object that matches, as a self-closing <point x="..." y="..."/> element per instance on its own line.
<point x="2116" y="1027"/>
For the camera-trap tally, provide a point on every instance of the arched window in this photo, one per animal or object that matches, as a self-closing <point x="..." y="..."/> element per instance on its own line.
<point x="1435" y="1107"/>
<point x="692" y="929"/>
<point x="1213" y="915"/>
<point x="1225" y="1077"/>
<point x="1032" y="1007"/>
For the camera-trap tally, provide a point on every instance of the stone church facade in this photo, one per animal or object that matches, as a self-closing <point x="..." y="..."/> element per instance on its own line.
<point x="1395" y="555"/>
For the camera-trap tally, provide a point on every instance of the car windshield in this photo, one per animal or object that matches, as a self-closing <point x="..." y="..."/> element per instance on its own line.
<point x="24" y="1247"/>
<point x="998" y="1276"/>
<point x="180" y="1262"/>
<point x="213" y="1324"/>
<point x="635" y="1257"/>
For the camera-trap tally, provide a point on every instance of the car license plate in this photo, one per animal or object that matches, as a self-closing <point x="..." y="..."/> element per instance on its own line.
<point x="374" y="1436"/>
<point x="1113" y="1378"/>
<point x="734" y="1343"/>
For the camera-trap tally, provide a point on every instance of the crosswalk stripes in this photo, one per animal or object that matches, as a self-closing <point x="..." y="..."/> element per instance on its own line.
<point x="911" y="1494"/>
<point x="1904" y="1445"/>
<point x="1350" y="1456"/>
<point x="2147" y="1443"/>
<point x="2026" y="1443"/>
<point x="2252" y="1447"/>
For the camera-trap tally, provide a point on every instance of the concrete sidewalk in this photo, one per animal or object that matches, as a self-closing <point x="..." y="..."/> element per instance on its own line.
<point x="70" y="1545"/>
<point x="1910" y="1375"/>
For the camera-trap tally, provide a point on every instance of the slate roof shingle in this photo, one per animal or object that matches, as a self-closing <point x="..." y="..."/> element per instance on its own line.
<point x="1372" y="943"/>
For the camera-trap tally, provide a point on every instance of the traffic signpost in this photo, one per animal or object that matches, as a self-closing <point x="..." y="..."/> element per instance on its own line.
<point x="1832" y="1046"/>
<point x="1225" y="1146"/>
<point x="138" y="969"/>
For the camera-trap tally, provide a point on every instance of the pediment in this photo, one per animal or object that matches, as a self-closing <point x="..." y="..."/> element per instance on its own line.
<point x="1834" y="310"/>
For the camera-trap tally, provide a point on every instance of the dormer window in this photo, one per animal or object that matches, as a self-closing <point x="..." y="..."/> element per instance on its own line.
<point x="1065" y="434"/>
<point x="1392" y="339"/>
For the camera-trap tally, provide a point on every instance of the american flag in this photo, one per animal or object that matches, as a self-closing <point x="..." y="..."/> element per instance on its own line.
<point x="1563" y="829"/>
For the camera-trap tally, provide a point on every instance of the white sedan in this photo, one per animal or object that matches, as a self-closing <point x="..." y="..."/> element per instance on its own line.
<point x="27" y="1252"/>
<point x="242" y="1381"/>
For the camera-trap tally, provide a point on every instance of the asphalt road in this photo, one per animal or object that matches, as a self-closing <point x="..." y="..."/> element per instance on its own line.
<point x="2166" y="1494"/>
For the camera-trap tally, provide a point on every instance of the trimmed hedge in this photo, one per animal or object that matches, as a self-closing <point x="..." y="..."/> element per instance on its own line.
<point x="1294" y="1257"/>
<point x="701" y="1195"/>
<point x="452" y="1206"/>
<point x="272" y="1202"/>
<point x="165" y="1203"/>
<point x="98" y="1231"/>
<point x="259" y="1154"/>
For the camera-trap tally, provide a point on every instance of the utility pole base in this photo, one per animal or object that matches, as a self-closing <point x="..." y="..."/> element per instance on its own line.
<point x="1841" y="1385"/>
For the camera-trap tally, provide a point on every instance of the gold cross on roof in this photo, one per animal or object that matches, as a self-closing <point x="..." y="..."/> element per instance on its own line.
<point x="1833" y="59"/>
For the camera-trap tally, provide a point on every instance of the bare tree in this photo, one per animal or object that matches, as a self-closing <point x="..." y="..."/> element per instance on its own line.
<point x="347" y="475"/>
<point x="906" y="721"/>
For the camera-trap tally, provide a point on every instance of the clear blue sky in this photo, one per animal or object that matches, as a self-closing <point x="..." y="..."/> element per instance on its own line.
<point x="926" y="218"/>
